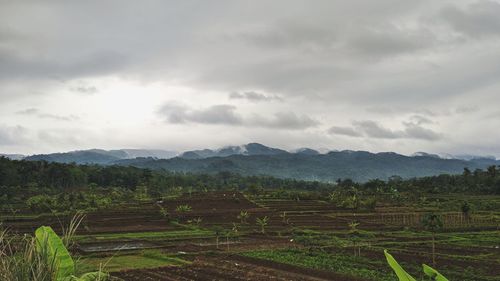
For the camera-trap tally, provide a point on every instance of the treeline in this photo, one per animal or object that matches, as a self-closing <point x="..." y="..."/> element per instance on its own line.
<point x="29" y="178"/>
<point x="474" y="182"/>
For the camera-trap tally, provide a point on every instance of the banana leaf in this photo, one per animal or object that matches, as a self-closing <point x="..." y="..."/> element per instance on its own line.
<point x="50" y="244"/>
<point x="400" y="272"/>
<point x="434" y="274"/>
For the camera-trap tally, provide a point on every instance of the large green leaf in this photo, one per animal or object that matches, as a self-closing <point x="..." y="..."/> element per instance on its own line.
<point x="400" y="272"/>
<point x="434" y="274"/>
<point x="49" y="243"/>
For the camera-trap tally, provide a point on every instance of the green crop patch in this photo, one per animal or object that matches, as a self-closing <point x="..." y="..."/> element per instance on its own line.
<point x="163" y="235"/>
<point x="345" y="264"/>
<point x="144" y="259"/>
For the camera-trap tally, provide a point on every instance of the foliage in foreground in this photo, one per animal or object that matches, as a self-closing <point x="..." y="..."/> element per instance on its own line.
<point x="40" y="258"/>
<point x="404" y="276"/>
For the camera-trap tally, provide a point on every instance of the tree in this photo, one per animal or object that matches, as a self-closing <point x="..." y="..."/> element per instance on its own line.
<point x="432" y="222"/>
<point x="262" y="222"/>
<point x="492" y="171"/>
<point x="465" y="208"/>
<point x="467" y="173"/>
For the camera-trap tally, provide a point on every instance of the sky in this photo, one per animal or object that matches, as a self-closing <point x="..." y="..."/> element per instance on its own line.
<point x="385" y="75"/>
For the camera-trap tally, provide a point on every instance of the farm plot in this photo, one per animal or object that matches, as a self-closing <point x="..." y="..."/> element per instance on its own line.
<point x="232" y="267"/>
<point x="133" y="217"/>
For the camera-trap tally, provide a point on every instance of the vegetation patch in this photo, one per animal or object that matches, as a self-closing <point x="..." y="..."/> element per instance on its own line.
<point x="143" y="259"/>
<point x="345" y="264"/>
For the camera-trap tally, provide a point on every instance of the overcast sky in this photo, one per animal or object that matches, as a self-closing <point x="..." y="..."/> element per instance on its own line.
<point x="385" y="75"/>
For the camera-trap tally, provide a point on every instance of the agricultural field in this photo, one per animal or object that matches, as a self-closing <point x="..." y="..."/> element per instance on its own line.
<point x="229" y="235"/>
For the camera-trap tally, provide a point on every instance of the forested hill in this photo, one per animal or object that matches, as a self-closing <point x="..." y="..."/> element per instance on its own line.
<point x="27" y="178"/>
<point x="258" y="159"/>
<point x="359" y="166"/>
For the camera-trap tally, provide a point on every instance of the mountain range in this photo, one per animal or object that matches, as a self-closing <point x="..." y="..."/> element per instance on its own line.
<point x="100" y="156"/>
<point x="258" y="159"/>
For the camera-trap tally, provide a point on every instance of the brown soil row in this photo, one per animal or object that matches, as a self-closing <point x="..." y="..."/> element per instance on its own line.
<point x="233" y="267"/>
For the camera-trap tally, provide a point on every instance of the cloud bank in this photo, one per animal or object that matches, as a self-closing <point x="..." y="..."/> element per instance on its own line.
<point x="370" y="75"/>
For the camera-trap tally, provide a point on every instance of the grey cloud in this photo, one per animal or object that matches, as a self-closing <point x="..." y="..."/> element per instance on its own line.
<point x="226" y="115"/>
<point x="475" y="20"/>
<point x="415" y="131"/>
<point x="58" y="117"/>
<point x="16" y="65"/>
<point x="284" y="120"/>
<point x="36" y="112"/>
<point x="291" y="33"/>
<point x="372" y="129"/>
<point x="87" y="90"/>
<point x="254" y="96"/>
<point x="216" y="114"/>
<point x="466" y="109"/>
<point x="28" y="111"/>
<point x="375" y="130"/>
<point x="389" y="40"/>
<point x="420" y="120"/>
<point x="346" y="131"/>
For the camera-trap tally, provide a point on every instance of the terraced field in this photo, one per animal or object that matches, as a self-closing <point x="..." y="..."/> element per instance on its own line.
<point x="235" y="267"/>
<point x="303" y="240"/>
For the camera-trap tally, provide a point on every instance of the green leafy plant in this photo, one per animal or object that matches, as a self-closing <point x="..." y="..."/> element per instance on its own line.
<point x="218" y="231"/>
<point x="405" y="276"/>
<point x="183" y="208"/>
<point x="22" y="261"/>
<point x="68" y="233"/>
<point x="262" y="222"/>
<point x="433" y="223"/>
<point x="284" y="218"/>
<point x="42" y="257"/>
<point x="354" y="236"/>
<point x="50" y="245"/>
<point x="243" y="217"/>
<point x="196" y="221"/>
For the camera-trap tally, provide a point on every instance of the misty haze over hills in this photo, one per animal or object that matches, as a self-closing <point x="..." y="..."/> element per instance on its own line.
<point x="258" y="159"/>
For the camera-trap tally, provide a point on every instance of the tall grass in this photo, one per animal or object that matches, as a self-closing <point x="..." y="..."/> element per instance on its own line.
<point x="69" y="231"/>
<point x="24" y="258"/>
<point x="21" y="260"/>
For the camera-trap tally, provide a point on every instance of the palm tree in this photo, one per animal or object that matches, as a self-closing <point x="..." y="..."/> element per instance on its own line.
<point x="353" y="234"/>
<point x="227" y="233"/>
<point x="243" y="217"/>
<point x="182" y="210"/>
<point x="217" y="231"/>
<point x="195" y="221"/>
<point x="262" y="222"/>
<point x="284" y="218"/>
<point x="235" y="229"/>
<point x="432" y="222"/>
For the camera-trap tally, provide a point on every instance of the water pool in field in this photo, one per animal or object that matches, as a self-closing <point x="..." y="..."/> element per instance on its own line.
<point x="115" y="246"/>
